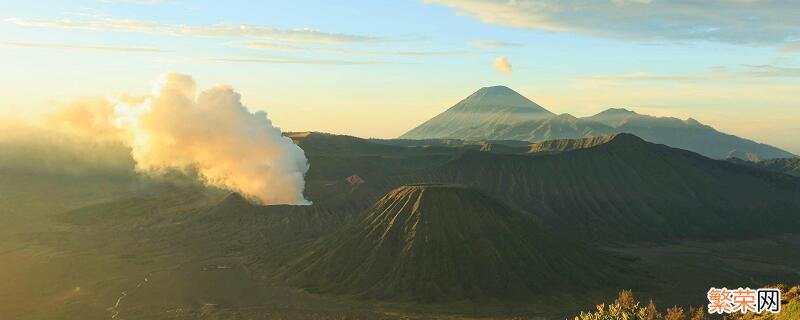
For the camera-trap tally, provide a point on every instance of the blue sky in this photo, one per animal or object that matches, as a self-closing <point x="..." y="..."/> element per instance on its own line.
<point x="378" y="68"/>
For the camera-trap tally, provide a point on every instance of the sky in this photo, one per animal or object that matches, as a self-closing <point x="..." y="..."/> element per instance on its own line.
<point x="379" y="68"/>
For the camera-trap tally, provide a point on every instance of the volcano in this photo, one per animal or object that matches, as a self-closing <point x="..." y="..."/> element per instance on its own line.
<point x="441" y="242"/>
<point x="480" y="114"/>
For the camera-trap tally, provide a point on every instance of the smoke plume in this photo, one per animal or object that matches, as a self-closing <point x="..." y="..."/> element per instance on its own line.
<point x="211" y="134"/>
<point x="502" y="65"/>
<point x="35" y="149"/>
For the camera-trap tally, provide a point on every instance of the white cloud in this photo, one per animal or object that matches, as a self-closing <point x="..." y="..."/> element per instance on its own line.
<point x="278" y="46"/>
<point x="492" y="44"/>
<point x="75" y="47"/>
<point x="734" y="21"/>
<point x="748" y="74"/>
<point x="216" y="30"/>
<point x="268" y="46"/>
<point x="295" y="60"/>
<point x="650" y="77"/>
<point x="716" y="74"/>
<point x="148" y="2"/>
<point x="791" y="47"/>
<point x="774" y="71"/>
<point x="502" y="65"/>
<point x="627" y="2"/>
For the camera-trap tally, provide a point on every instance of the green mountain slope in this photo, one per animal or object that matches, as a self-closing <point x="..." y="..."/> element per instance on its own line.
<point x="335" y="157"/>
<point x="434" y="243"/>
<point x="789" y="166"/>
<point x="561" y="145"/>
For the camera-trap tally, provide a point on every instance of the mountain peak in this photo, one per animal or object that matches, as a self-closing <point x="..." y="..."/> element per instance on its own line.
<point x="427" y="197"/>
<point x="487" y="108"/>
<point x="234" y="201"/>
<point x="615" y="117"/>
<point x="233" y="198"/>
<point x="616" y="112"/>
<point x="498" y="99"/>
<point x="626" y="137"/>
<point x="563" y="145"/>
<point x="497" y="90"/>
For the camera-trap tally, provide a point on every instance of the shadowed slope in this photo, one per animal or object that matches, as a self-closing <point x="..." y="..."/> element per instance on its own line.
<point x="434" y="243"/>
<point x="629" y="189"/>
<point x="790" y="166"/>
<point x="335" y="157"/>
<point x="196" y="215"/>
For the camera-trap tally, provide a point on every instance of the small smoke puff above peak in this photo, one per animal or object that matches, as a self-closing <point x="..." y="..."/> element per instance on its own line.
<point x="502" y="65"/>
<point x="214" y="134"/>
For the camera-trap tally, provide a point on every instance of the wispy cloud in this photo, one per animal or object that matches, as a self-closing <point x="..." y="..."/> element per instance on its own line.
<point x="74" y="47"/>
<point x="294" y="60"/>
<point x="269" y="46"/>
<point x="767" y="70"/>
<point x="149" y="2"/>
<point x="645" y="76"/>
<point x="278" y="46"/>
<point x="492" y="44"/>
<point x="216" y="30"/>
<point x="734" y="21"/>
<point x="747" y="72"/>
<point x="792" y="47"/>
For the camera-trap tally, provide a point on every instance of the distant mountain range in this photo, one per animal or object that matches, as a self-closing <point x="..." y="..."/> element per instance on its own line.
<point x="499" y="113"/>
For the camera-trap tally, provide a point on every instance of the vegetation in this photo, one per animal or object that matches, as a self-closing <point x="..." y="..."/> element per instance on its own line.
<point x="627" y="307"/>
<point x="790" y="306"/>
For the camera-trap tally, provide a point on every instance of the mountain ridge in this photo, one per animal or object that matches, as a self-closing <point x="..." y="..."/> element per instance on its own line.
<point x="628" y="189"/>
<point x="500" y="123"/>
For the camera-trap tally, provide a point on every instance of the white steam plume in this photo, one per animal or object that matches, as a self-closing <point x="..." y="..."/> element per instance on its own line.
<point x="214" y="134"/>
<point x="502" y="65"/>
